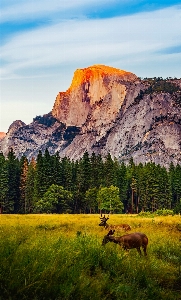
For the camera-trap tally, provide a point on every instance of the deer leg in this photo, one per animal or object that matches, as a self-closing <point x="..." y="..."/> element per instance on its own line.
<point x="127" y="251"/>
<point x="139" y="251"/>
<point x="125" y="248"/>
<point x="144" y="249"/>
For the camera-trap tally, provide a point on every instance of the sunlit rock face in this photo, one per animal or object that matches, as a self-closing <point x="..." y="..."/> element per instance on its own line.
<point x="106" y="110"/>
<point x="98" y="90"/>
<point x="2" y="135"/>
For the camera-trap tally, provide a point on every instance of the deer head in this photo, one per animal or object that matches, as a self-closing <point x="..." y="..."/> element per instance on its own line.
<point x="103" y="220"/>
<point x="106" y="239"/>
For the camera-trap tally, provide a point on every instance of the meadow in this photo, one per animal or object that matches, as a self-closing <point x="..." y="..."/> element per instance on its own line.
<point x="55" y="257"/>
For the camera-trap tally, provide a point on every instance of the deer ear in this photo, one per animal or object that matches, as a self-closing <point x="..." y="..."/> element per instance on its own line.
<point x="111" y="232"/>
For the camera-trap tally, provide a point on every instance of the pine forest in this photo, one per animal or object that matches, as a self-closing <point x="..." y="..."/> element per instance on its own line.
<point x="50" y="184"/>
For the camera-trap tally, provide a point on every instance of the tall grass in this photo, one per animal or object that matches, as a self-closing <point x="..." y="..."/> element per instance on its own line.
<point x="61" y="257"/>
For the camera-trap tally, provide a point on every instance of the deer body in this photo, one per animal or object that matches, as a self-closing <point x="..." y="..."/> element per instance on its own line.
<point x="128" y="241"/>
<point x="125" y="227"/>
<point x="103" y="223"/>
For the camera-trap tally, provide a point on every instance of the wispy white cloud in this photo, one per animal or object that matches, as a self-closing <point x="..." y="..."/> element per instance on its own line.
<point x="48" y="55"/>
<point x="31" y="9"/>
<point x="60" y="9"/>
<point x="91" y="40"/>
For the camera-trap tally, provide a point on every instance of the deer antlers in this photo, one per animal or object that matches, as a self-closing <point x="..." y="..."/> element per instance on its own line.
<point x="104" y="218"/>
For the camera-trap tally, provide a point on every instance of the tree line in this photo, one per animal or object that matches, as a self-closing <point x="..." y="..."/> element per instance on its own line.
<point x="89" y="185"/>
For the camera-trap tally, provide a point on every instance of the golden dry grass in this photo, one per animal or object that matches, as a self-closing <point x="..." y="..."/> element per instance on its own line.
<point x="62" y="255"/>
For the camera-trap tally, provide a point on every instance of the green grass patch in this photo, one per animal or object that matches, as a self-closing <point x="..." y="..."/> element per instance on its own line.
<point x="61" y="257"/>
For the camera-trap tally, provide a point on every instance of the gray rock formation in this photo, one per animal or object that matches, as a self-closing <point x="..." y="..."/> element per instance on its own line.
<point x="107" y="110"/>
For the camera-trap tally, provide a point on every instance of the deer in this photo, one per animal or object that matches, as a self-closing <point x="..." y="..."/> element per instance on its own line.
<point x="125" y="227"/>
<point x="128" y="241"/>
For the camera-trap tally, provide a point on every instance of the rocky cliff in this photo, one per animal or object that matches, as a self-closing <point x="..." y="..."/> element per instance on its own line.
<point x="2" y="135"/>
<point x="90" y="87"/>
<point x="107" y="110"/>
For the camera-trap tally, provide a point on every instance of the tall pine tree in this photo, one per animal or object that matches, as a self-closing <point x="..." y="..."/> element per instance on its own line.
<point x="13" y="183"/>
<point x="3" y="183"/>
<point x="23" y="184"/>
<point x="30" y="186"/>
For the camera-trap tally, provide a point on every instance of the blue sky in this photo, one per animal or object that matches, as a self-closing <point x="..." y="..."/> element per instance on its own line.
<point x="43" y="42"/>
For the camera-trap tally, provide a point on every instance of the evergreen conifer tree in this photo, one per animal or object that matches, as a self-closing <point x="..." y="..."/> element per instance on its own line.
<point x="23" y="185"/>
<point x="122" y="184"/>
<point x="13" y="183"/>
<point x="39" y="178"/>
<point x="3" y="183"/>
<point x="30" y="186"/>
<point x="109" y="171"/>
<point x="66" y="173"/>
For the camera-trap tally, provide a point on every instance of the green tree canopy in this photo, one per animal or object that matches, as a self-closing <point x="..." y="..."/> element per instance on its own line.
<point x="109" y="200"/>
<point x="55" y="200"/>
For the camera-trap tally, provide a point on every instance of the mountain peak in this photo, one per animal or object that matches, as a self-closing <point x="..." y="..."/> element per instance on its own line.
<point x="15" y="125"/>
<point x="89" y="88"/>
<point x="95" y="72"/>
<point x="106" y="110"/>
